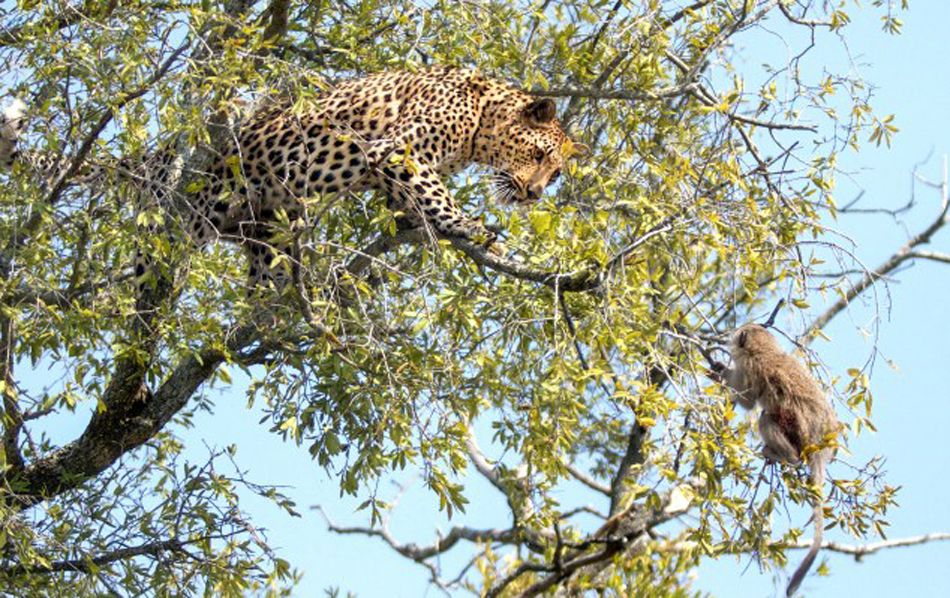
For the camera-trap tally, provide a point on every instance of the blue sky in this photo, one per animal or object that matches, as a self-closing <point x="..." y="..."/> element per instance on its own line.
<point x="912" y="410"/>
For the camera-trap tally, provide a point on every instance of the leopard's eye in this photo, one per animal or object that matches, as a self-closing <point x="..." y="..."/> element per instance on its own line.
<point x="539" y="155"/>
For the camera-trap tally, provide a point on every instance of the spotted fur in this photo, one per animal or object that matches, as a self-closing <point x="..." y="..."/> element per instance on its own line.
<point x="397" y="132"/>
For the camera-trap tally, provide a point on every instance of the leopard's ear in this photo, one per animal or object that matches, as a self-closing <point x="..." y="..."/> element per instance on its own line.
<point x="539" y="112"/>
<point x="740" y="342"/>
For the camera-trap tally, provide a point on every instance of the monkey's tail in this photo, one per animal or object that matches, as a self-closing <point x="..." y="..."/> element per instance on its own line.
<point x="818" y="519"/>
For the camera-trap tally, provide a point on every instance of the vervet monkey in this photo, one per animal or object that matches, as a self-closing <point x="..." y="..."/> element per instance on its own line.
<point x="794" y="413"/>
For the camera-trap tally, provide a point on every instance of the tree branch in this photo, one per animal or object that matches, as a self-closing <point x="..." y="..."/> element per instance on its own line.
<point x="12" y="416"/>
<point x="488" y="471"/>
<point x="585" y="479"/>
<point x="614" y="94"/>
<point x="906" y="252"/>
<point x="622" y="533"/>
<point x="61" y="298"/>
<point x="632" y="457"/>
<point x="798" y="21"/>
<point x="421" y="553"/>
<point x="132" y="415"/>
<point x="87" y="565"/>
<point x="276" y="20"/>
<point x="930" y="255"/>
<point x="581" y="280"/>
<point x="859" y="551"/>
<point x="69" y="16"/>
<point x="66" y="176"/>
<point x="516" y="493"/>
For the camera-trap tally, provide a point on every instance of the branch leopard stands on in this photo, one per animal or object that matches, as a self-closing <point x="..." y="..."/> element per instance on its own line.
<point x="397" y="132"/>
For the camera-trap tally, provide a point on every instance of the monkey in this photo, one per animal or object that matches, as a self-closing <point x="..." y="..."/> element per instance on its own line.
<point x="794" y="413"/>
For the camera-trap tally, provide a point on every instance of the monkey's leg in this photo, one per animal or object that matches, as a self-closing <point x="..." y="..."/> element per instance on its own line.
<point x="778" y="444"/>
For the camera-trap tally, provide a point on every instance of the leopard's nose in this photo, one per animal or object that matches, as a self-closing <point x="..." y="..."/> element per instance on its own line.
<point x="534" y="192"/>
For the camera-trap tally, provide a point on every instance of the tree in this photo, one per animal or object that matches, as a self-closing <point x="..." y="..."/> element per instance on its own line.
<point x="708" y="196"/>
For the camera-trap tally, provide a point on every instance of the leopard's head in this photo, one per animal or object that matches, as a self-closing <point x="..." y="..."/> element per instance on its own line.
<point x="530" y="151"/>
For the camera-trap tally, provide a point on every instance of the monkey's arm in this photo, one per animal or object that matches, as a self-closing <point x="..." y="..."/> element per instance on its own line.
<point x="733" y="379"/>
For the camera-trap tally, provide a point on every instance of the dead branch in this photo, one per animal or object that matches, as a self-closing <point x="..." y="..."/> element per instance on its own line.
<point x="859" y="551"/>
<point x="585" y="479"/>
<point x="420" y="553"/>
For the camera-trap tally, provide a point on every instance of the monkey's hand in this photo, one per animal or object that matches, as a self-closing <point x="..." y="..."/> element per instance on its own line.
<point x="716" y="371"/>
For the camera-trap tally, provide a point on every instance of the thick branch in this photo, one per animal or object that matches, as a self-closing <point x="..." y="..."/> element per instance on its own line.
<point x="277" y="20"/>
<point x="624" y="532"/>
<point x="632" y="457"/>
<point x="514" y="488"/>
<point x="132" y="416"/>
<point x="482" y="465"/>
<point x="12" y="416"/>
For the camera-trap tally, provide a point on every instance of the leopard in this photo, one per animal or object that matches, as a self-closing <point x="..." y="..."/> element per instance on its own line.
<point x="400" y="133"/>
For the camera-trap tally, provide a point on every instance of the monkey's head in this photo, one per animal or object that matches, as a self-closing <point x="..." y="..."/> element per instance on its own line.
<point x="753" y="339"/>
